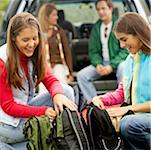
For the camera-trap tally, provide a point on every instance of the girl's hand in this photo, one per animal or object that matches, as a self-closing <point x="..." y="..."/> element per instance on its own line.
<point x="118" y="111"/>
<point x="98" y="102"/>
<point x="60" y="100"/>
<point x="50" y="113"/>
<point x="70" y="78"/>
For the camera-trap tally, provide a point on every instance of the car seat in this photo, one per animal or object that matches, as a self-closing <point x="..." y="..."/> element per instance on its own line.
<point x="66" y="25"/>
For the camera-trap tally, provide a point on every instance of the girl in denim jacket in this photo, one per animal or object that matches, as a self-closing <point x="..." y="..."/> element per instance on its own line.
<point x="133" y="33"/>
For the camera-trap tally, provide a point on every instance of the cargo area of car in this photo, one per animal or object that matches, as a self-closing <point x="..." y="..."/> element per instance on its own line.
<point x="77" y="18"/>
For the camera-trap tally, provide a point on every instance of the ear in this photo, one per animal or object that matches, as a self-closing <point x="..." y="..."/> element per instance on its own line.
<point x="111" y="8"/>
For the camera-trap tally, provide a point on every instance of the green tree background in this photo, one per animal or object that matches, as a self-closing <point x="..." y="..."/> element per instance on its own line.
<point x="3" y="7"/>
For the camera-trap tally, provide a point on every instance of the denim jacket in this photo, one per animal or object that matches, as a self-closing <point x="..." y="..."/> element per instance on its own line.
<point x="138" y="72"/>
<point x="20" y="96"/>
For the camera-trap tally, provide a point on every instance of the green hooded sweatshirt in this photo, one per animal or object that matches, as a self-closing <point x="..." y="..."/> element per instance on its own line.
<point x="116" y="53"/>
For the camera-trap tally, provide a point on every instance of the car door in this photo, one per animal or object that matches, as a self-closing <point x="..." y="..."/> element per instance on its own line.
<point x="143" y="7"/>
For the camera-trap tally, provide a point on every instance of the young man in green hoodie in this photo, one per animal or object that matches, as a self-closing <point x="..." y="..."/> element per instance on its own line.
<point x="105" y="52"/>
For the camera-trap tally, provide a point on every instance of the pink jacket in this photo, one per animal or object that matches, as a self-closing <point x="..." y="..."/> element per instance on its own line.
<point x="113" y="98"/>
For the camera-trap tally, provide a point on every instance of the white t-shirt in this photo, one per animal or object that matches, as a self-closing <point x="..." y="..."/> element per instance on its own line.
<point x="104" y="40"/>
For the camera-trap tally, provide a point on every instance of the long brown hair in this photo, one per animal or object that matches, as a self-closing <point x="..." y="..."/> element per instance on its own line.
<point x="43" y="14"/>
<point x="135" y="24"/>
<point x="16" y="25"/>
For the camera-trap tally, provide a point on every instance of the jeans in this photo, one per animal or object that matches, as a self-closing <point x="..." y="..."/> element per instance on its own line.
<point x="12" y="138"/>
<point x="86" y="76"/>
<point x="61" y="71"/>
<point x="68" y="90"/>
<point x="136" y="131"/>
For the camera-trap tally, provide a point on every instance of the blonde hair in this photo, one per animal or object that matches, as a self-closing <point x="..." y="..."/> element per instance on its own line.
<point x="135" y="24"/>
<point x="16" y="25"/>
<point x="43" y="14"/>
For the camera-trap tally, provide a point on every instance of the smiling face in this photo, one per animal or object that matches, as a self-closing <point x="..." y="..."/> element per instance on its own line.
<point x="104" y="12"/>
<point x="129" y="41"/>
<point x="27" y="40"/>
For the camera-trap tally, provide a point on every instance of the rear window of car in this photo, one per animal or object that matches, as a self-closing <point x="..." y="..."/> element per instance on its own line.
<point x="80" y="12"/>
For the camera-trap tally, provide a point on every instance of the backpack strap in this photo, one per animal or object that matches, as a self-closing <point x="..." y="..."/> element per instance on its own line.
<point x="31" y="132"/>
<point x="59" y="126"/>
<point x="74" y="128"/>
<point x="45" y="131"/>
<point x="90" y="109"/>
<point x="78" y="129"/>
<point x="70" y="133"/>
<point x="38" y="130"/>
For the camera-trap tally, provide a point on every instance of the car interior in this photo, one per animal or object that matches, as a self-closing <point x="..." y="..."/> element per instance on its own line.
<point x="76" y="17"/>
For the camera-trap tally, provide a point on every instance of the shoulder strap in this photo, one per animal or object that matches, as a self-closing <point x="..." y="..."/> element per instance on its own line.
<point x="78" y="129"/>
<point x="73" y="130"/>
<point x="31" y="132"/>
<point x="89" y="112"/>
<point x="37" y="130"/>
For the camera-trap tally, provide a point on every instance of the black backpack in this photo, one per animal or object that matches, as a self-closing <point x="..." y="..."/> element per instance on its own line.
<point x="101" y="132"/>
<point x="69" y="133"/>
